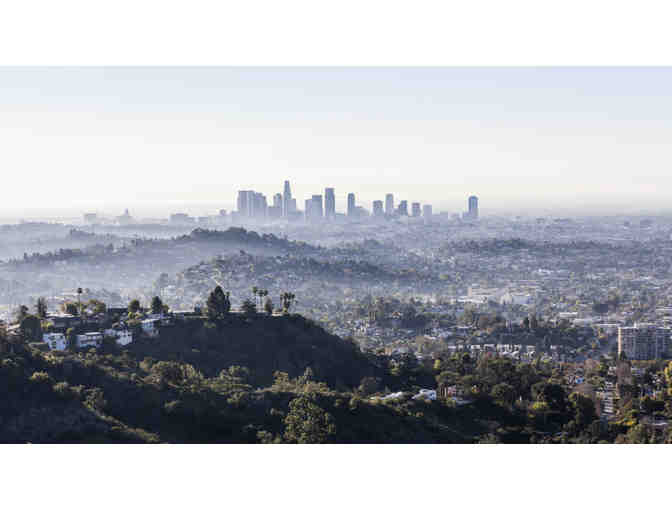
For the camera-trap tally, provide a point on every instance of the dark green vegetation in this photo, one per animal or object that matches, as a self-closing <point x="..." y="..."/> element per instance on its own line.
<point x="272" y="379"/>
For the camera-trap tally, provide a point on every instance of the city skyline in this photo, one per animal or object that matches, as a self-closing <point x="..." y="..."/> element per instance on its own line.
<point x="525" y="138"/>
<point x="253" y="204"/>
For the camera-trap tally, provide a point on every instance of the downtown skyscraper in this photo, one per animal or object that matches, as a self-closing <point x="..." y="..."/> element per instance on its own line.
<point x="329" y="203"/>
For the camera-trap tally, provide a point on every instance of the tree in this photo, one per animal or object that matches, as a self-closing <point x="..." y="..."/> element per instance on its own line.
<point x="584" y="410"/>
<point x="308" y="423"/>
<point x="71" y="338"/>
<point x="262" y="294"/>
<point x="31" y="328"/>
<point x="503" y="392"/>
<point x="218" y="303"/>
<point x="21" y="313"/>
<point x="96" y="306"/>
<point x="134" y="306"/>
<point x="287" y="299"/>
<point x="79" y="299"/>
<point x="70" y="308"/>
<point x="157" y="305"/>
<point x="41" y="308"/>
<point x="249" y="307"/>
<point x="268" y="306"/>
<point x="369" y="385"/>
<point x="255" y="291"/>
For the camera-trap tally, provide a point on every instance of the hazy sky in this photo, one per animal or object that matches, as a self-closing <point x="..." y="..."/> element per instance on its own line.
<point x="149" y="138"/>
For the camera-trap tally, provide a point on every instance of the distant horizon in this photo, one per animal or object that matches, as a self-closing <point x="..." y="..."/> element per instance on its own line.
<point x="519" y="138"/>
<point x="155" y="210"/>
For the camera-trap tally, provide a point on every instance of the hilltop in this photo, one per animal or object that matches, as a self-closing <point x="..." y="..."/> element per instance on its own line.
<point x="262" y="344"/>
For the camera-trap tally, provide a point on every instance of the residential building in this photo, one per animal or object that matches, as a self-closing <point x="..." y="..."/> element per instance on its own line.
<point x="122" y="336"/>
<point x="93" y="339"/>
<point x="643" y="341"/>
<point x="55" y="341"/>
<point x="415" y="209"/>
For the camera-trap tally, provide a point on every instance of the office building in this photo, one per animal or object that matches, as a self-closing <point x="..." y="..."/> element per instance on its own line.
<point x="427" y="211"/>
<point x="415" y="209"/>
<point x="644" y="342"/>
<point x="329" y="203"/>
<point x="90" y="218"/>
<point x="351" y="204"/>
<point x="287" y="200"/>
<point x="402" y="210"/>
<point x="308" y="209"/>
<point x="277" y="200"/>
<point x="378" y="208"/>
<point x="317" y="211"/>
<point x="251" y="204"/>
<point x="389" y="204"/>
<point x="243" y="203"/>
<point x="472" y="214"/>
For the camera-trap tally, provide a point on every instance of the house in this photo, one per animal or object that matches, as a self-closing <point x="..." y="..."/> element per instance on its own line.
<point x="426" y="394"/>
<point x="151" y="327"/>
<point x="122" y="336"/>
<point x="93" y="339"/>
<point x="116" y="310"/>
<point x="64" y="320"/>
<point x="55" y="341"/>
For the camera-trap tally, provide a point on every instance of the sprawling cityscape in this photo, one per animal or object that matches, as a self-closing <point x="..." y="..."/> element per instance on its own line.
<point x="402" y="309"/>
<point x="335" y="256"/>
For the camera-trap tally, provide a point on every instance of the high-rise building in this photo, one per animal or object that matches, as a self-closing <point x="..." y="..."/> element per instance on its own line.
<point x="351" y="204"/>
<point x="286" y="200"/>
<point x="644" y="342"/>
<point x="427" y="211"/>
<point x="277" y="200"/>
<point x="251" y="204"/>
<point x="389" y="204"/>
<point x="402" y="210"/>
<point x="473" y="208"/>
<point x="259" y="206"/>
<point x="329" y="203"/>
<point x="317" y="211"/>
<point x="243" y="204"/>
<point x="378" y="208"/>
<point x="307" y="208"/>
<point x="415" y="209"/>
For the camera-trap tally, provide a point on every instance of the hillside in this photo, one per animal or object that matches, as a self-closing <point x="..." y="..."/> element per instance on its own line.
<point x="143" y="395"/>
<point x="262" y="344"/>
<point x="316" y="280"/>
<point x="127" y="266"/>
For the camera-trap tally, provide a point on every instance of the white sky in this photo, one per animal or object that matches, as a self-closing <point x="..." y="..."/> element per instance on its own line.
<point x="161" y="139"/>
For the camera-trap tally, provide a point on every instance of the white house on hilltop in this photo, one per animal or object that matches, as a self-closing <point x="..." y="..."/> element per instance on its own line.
<point x="55" y="341"/>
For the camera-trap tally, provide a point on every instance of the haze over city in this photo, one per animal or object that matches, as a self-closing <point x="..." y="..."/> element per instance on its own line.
<point x="337" y="255"/>
<point x="157" y="140"/>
